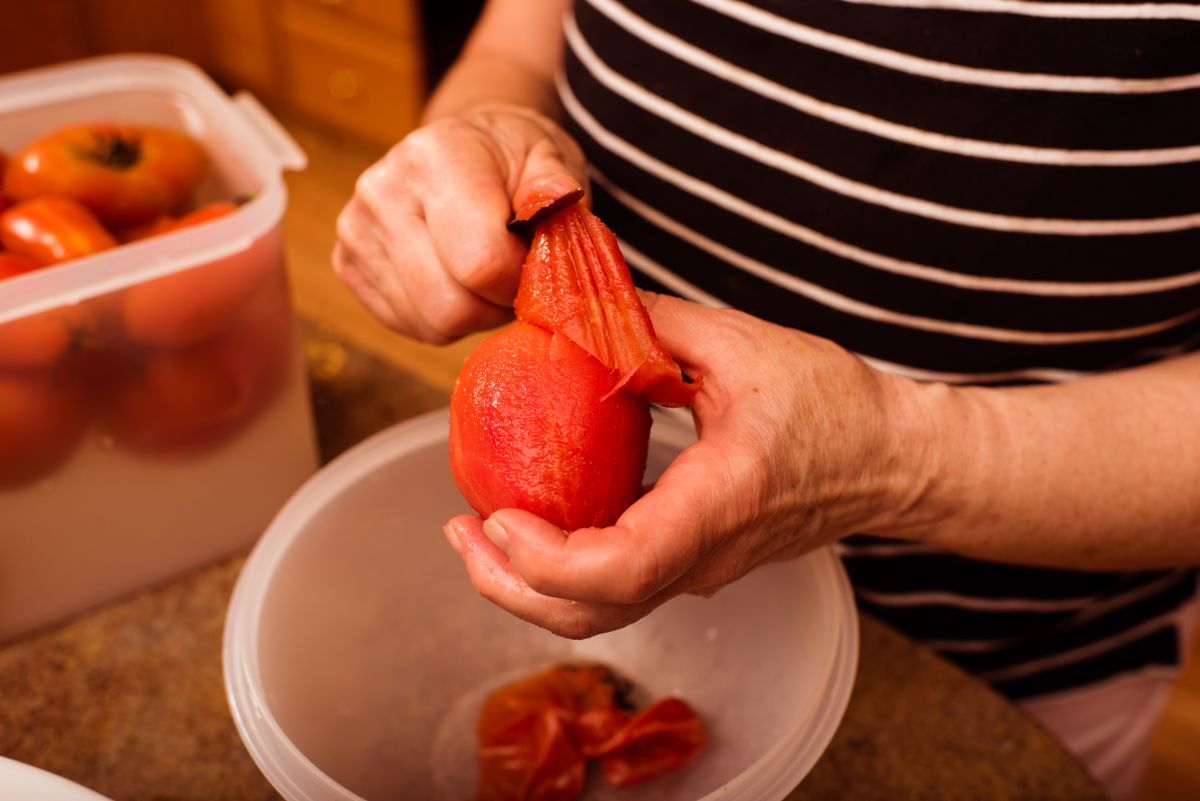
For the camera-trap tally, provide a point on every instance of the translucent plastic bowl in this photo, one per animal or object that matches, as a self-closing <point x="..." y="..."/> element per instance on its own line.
<point x="357" y="653"/>
<point x="25" y="781"/>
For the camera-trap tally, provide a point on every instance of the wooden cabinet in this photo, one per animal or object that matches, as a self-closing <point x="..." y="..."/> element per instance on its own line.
<point x="240" y="48"/>
<point x="356" y="66"/>
<point x="353" y="65"/>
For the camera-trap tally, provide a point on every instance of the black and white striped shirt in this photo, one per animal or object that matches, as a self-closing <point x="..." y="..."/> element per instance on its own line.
<point x="971" y="191"/>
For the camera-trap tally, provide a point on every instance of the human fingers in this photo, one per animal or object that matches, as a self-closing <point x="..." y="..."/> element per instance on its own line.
<point x="399" y="286"/>
<point x="424" y="234"/>
<point x="495" y="579"/>
<point x="517" y="153"/>
<point x="655" y="544"/>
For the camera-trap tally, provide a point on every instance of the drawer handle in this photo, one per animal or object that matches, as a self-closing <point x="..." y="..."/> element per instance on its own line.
<point x="343" y="85"/>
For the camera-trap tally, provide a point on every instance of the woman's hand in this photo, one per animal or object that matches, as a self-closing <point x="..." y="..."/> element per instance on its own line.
<point x="797" y="448"/>
<point x="423" y="242"/>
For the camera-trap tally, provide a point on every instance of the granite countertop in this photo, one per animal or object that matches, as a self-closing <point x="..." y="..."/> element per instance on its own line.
<point x="128" y="699"/>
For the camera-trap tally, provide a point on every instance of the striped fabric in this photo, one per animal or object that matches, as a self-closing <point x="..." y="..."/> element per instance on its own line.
<point x="973" y="191"/>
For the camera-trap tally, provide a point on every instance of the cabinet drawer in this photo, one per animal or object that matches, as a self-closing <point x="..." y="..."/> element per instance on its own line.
<point x="366" y="94"/>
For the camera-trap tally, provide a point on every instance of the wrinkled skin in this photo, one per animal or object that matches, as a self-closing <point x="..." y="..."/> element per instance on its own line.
<point x="424" y="242"/>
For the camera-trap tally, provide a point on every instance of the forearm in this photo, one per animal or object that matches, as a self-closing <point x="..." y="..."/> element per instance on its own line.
<point x="1100" y="473"/>
<point x="510" y="57"/>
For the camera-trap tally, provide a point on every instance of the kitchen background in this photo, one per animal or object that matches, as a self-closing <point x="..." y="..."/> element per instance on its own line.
<point x="347" y="78"/>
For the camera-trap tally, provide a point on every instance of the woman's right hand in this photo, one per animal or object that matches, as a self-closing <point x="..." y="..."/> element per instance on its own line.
<point x="423" y="242"/>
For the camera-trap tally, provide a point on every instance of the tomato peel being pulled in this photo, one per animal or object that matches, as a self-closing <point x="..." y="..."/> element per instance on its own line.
<point x="576" y="282"/>
<point x="536" y="734"/>
<point x="551" y="415"/>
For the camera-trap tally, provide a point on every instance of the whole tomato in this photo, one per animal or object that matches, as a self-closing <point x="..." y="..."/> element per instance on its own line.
<point x="179" y="402"/>
<point x="41" y="420"/>
<point x="52" y="229"/>
<point x="193" y="305"/>
<point x="41" y="339"/>
<point x="126" y="174"/>
<point x="36" y="340"/>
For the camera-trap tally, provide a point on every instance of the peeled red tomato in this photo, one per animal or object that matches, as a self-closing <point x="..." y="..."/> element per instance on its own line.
<point x="552" y="415"/>
<point x="531" y="428"/>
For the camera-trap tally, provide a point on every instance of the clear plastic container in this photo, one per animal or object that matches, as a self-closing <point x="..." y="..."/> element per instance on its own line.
<point x="358" y="655"/>
<point x="153" y="405"/>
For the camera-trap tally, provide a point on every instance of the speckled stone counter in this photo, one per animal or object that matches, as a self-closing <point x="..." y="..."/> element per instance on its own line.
<point x="128" y="699"/>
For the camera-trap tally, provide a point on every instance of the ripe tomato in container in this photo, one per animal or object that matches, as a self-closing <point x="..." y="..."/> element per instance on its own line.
<point x="187" y="308"/>
<point x="177" y="401"/>
<point x="41" y="420"/>
<point x="124" y="173"/>
<point x="194" y="414"/>
<point x="39" y="340"/>
<point x="52" y="229"/>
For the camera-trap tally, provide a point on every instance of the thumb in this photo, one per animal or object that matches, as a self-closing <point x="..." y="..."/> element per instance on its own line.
<point x="553" y="172"/>
<point x="653" y="545"/>
<point x="684" y="328"/>
<point x="544" y="193"/>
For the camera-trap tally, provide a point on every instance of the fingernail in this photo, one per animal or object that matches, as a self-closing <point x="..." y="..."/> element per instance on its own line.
<point x="452" y="537"/>
<point x="496" y="532"/>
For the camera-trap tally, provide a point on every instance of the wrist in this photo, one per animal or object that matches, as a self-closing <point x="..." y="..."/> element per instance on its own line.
<point x="943" y="444"/>
<point x="483" y="81"/>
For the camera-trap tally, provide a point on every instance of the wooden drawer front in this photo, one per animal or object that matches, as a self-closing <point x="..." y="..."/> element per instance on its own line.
<point x="393" y="17"/>
<point x="376" y="99"/>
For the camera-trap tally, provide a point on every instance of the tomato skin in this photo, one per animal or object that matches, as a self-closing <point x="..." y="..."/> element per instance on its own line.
<point x="531" y="759"/>
<point x="52" y="229"/>
<point x="575" y="267"/>
<point x="535" y="735"/>
<point x="41" y="421"/>
<point x="659" y="739"/>
<point x="125" y="174"/>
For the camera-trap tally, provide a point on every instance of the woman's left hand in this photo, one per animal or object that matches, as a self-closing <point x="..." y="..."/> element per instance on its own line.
<point x="799" y="445"/>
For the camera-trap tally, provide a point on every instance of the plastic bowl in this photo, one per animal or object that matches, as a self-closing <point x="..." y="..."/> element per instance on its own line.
<point x="357" y="653"/>
<point x="25" y="781"/>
